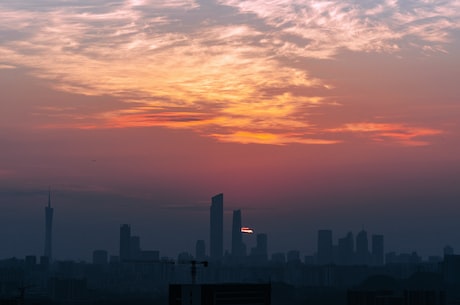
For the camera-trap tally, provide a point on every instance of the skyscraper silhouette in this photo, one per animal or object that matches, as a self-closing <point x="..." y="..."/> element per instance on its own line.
<point x="346" y="250"/>
<point x="48" y="229"/>
<point x="325" y="249"/>
<point x="217" y="227"/>
<point x="125" y="242"/>
<point x="377" y="249"/>
<point x="200" y="250"/>
<point x="362" y="248"/>
<point x="237" y="237"/>
<point x="262" y="247"/>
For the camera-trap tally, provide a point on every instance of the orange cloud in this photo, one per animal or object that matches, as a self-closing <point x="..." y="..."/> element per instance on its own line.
<point x="247" y="137"/>
<point x="399" y="133"/>
<point x="228" y="81"/>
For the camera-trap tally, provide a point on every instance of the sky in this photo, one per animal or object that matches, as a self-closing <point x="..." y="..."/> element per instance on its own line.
<point x="306" y="114"/>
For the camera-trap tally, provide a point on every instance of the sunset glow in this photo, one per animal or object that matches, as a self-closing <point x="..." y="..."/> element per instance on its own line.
<point x="304" y="113"/>
<point x="237" y="78"/>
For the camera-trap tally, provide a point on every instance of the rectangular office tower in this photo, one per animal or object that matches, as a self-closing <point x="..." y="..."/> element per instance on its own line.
<point x="325" y="250"/>
<point x="125" y="242"/>
<point x="217" y="227"/>
<point x="377" y="250"/>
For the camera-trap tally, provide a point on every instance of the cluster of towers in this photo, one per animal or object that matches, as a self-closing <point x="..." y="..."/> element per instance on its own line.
<point x="345" y="252"/>
<point x="238" y="247"/>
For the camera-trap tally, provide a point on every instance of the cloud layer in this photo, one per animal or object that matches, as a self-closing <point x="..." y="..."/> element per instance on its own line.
<point x="228" y="70"/>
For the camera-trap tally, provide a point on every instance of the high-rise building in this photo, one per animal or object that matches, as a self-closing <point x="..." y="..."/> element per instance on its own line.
<point x="237" y="236"/>
<point x="48" y="229"/>
<point x="200" y="250"/>
<point x="217" y="227"/>
<point x="377" y="250"/>
<point x="325" y="249"/>
<point x="262" y="247"/>
<point x="362" y="248"/>
<point x="346" y="250"/>
<point x="259" y="253"/>
<point x="125" y="242"/>
<point x="135" y="247"/>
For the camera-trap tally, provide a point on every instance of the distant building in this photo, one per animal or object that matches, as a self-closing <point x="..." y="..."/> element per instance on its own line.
<point x="48" y="229"/>
<point x="346" y="250"/>
<point x="237" y="237"/>
<point x="30" y="262"/>
<point x="260" y="251"/>
<point x="362" y="248"/>
<point x="200" y="250"/>
<point x="220" y="294"/>
<point x="134" y="247"/>
<point x="100" y="257"/>
<point x="293" y="256"/>
<point x="279" y="258"/>
<point x="325" y="249"/>
<point x="377" y="250"/>
<point x="448" y="250"/>
<point x="217" y="227"/>
<point x="150" y="255"/>
<point x="125" y="241"/>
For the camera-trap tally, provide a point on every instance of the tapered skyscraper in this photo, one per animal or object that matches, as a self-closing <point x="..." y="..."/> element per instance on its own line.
<point x="48" y="228"/>
<point x="217" y="227"/>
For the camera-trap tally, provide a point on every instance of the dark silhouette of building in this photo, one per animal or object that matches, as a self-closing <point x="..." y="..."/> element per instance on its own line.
<point x="220" y="294"/>
<point x="377" y="250"/>
<point x="260" y="251"/>
<point x="448" y="250"/>
<point x="362" y="248"/>
<point x="217" y="227"/>
<point x="134" y="247"/>
<point x="100" y="257"/>
<point x="237" y="236"/>
<point x="293" y="256"/>
<point x="200" y="250"/>
<point x="49" y="229"/>
<point x="325" y="249"/>
<point x="125" y="242"/>
<point x="346" y="250"/>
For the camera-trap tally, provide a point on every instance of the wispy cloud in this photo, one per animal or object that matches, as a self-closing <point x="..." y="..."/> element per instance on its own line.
<point x="323" y="28"/>
<point x="227" y="80"/>
<point x="399" y="133"/>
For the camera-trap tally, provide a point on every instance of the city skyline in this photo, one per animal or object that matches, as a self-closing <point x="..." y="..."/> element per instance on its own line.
<point x="330" y="249"/>
<point x="307" y="115"/>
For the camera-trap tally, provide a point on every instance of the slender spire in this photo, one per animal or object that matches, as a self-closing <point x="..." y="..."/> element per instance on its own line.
<point x="48" y="227"/>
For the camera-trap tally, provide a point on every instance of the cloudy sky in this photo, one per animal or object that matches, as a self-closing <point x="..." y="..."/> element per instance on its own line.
<point x="306" y="114"/>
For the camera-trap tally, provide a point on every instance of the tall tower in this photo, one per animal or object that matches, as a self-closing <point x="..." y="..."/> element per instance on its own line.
<point x="48" y="228"/>
<point x="262" y="251"/>
<point x="200" y="250"/>
<point x="377" y="249"/>
<point x="346" y="250"/>
<point x="325" y="248"/>
<point x="125" y="242"/>
<point x="237" y="237"/>
<point x="362" y="248"/>
<point x="217" y="227"/>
